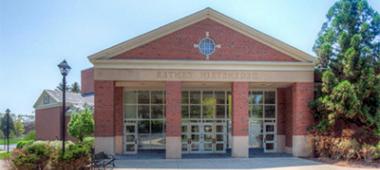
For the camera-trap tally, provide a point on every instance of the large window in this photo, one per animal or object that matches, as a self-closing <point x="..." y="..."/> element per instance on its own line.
<point x="262" y="108"/>
<point x="204" y="105"/>
<point x="147" y="108"/>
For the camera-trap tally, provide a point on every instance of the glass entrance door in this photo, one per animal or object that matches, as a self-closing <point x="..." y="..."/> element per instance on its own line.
<point x="269" y="137"/>
<point x="130" y="138"/>
<point x="204" y="137"/>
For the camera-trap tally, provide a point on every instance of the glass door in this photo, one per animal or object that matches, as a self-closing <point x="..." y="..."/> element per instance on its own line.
<point x="195" y="137"/>
<point x="220" y="139"/>
<point x="130" y="138"/>
<point x="269" y="137"/>
<point x="207" y="138"/>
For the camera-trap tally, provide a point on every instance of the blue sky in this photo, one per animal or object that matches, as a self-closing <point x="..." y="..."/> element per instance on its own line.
<point x="36" y="35"/>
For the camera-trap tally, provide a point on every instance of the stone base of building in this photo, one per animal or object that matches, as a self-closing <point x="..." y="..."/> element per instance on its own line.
<point x="240" y="147"/>
<point x="104" y="144"/>
<point x="173" y="147"/>
<point x="118" y="144"/>
<point x="302" y="146"/>
<point x="280" y="143"/>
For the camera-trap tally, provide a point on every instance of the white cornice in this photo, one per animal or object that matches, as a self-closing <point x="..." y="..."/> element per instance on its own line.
<point x="194" y="18"/>
<point x="203" y="65"/>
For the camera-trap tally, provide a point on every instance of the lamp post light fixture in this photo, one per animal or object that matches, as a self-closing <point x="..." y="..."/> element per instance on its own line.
<point x="64" y="68"/>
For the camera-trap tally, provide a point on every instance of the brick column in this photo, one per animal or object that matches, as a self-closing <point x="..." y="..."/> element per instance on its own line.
<point x="240" y="119"/>
<point x="303" y="93"/>
<point x="173" y="120"/>
<point x="281" y="121"/>
<point x="118" y="116"/>
<point x="104" y="116"/>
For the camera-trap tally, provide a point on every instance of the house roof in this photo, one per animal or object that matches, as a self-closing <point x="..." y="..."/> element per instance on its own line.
<point x="74" y="99"/>
<point x="206" y="13"/>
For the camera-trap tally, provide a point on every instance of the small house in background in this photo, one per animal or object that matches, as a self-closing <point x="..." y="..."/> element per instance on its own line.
<point x="48" y="107"/>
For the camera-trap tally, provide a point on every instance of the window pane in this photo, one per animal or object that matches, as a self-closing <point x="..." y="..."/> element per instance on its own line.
<point x="256" y="97"/>
<point x="157" y="126"/>
<point x="220" y="97"/>
<point x="143" y="97"/>
<point x="185" y="97"/>
<point x="130" y="97"/>
<point x="157" y="97"/>
<point x="143" y="111"/>
<point x="270" y="97"/>
<point x="185" y="111"/>
<point x="220" y="111"/>
<point x="208" y="98"/>
<point x="157" y="141"/>
<point x="257" y="111"/>
<point x="130" y="111"/>
<point x="143" y="126"/>
<point x="195" y="111"/>
<point x="270" y="111"/>
<point x="195" y="97"/>
<point x="157" y="111"/>
<point x="208" y="111"/>
<point x="144" y="141"/>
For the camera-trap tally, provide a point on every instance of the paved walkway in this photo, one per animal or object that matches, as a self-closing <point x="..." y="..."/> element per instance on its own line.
<point x="280" y="163"/>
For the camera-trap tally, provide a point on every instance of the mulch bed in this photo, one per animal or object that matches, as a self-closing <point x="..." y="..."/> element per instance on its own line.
<point x="350" y="163"/>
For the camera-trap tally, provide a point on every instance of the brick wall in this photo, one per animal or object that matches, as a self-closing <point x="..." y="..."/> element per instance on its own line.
<point x="118" y="111"/>
<point x="180" y="45"/>
<point x="173" y="108"/>
<point x="288" y="117"/>
<point x="281" y="111"/>
<point x="303" y="93"/>
<point x="240" y="109"/>
<point x="87" y="81"/>
<point x="104" y="108"/>
<point x="48" y="124"/>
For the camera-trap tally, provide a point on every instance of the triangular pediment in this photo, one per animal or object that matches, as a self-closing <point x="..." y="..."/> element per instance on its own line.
<point x="176" y="41"/>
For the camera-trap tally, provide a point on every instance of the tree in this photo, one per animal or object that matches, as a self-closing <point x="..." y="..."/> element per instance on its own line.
<point x="75" y="88"/>
<point x="19" y="126"/>
<point x="3" y="124"/>
<point x="348" y="48"/>
<point x="60" y="87"/>
<point x="81" y="124"/>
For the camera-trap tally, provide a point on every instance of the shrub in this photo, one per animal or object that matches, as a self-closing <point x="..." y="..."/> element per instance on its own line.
<point x="81" y="124"/>
<point x="33" y="156"/>
<point x="89" y="141"/>
<point x="22" y="143"/>
<point x="30" y="136"/>
<point x="76" y="156"/>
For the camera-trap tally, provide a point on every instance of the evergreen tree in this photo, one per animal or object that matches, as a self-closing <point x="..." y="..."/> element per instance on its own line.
<point x="60" y="87"/>
<point x="348" y="48"/>
<point x="75" y="88"/>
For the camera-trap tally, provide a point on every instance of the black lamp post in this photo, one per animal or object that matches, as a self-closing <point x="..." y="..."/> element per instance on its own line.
<point x="65" y="69"/>
<point x="7" y="112"/>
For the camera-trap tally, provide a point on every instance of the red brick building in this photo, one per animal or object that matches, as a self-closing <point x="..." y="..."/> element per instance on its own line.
<point x="203" y="84"/>
<point x="48" y="107"/>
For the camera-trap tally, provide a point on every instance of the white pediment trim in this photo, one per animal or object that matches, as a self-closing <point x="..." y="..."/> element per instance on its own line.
<point x="203" y="65"/>
<point x="207" y="13"/>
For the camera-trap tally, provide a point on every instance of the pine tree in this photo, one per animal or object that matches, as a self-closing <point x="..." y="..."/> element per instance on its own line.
<point x="75" y="88"/>
<point x="348" y="48"/>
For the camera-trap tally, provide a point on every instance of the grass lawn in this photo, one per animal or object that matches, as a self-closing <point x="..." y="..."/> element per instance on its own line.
<point x="11" y="141"/>
<point x="4" y="155"/>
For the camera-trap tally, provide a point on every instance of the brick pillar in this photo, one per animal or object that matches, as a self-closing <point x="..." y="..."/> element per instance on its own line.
<point x="303" y="93"/>
<point x="173" y="120"/>
<point x="240" y="119"/>
<point x="118" y="116"/>
<point x="281" y="121"/>
<point x="104" y="116"/>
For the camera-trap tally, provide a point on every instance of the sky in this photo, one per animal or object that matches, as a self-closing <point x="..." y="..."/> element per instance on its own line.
<point x="35" y="36"/>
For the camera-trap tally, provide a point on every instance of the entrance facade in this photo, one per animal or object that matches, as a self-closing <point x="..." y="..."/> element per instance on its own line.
<point x="203" y="84"/>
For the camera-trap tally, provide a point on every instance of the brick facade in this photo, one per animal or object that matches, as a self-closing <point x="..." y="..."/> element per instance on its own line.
<point x="118" y="112"/>
<point x="281" y="111"/>
<point x="179" y="45"/>
<point x="87" y="81"/>
<point x="173" y="108"/>
<point x="104" y="108"/>
<point x="302" y="94"/>
<point x="240" y="109"/>
<point x="289" y="117"/>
